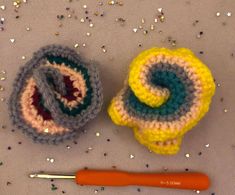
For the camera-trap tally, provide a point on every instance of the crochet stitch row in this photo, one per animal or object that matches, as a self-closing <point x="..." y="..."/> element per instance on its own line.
<point x="55" y="94"/>
<point x="167" y="93"/>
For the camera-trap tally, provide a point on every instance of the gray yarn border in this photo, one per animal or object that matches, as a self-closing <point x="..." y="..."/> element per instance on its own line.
<point x="75" y="123"/>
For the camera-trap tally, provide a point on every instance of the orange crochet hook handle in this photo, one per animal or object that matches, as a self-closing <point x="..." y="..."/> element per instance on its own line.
<point x="190" y="181"/>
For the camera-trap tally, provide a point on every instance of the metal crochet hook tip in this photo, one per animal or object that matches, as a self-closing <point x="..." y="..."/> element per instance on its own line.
<point x="51" y="176"/>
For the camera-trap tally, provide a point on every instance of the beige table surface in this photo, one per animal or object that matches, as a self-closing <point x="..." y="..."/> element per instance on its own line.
<point x="121" y="43"/>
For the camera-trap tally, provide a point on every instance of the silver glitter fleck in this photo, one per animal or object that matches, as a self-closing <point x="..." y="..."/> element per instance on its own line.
<point x="229" y="14"/>
<point x="207" y="145"/>
<point x="159" y="10"/>
<point x="135" y="30"/>
<point x="155" y="20"/>
<point x="131" y="156"/>
<point x="187" y="155"/>
<point x="12" y="40"/>
<point x="3" y="7"/>
<point x="217" y="14"/>
<point x="91" y="25"/>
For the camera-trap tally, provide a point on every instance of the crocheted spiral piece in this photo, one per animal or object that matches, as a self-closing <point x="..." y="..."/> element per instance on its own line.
<point x="55" y="94"/>
<point x="166" y="94"/>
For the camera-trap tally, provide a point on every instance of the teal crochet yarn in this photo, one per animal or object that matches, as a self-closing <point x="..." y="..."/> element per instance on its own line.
<point x="55" y="94"/>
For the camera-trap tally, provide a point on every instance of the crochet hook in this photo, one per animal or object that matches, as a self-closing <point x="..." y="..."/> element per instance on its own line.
<point x="189" y="181"/>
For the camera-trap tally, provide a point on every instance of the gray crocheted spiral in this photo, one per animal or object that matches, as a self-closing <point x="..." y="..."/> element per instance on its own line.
<point x="54" y="95"/>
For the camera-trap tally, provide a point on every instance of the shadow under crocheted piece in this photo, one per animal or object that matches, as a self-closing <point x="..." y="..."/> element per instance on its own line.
<point x="55" y="94"/>
<point x="167" y="93"/>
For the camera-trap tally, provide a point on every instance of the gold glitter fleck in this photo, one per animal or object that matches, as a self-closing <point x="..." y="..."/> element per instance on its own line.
<point x="2" y="88"/>
<point x="152" y="27"/>
<point x="145" y="32"/>
<point x="96" y="191"/>
<point x="88" y="34"/>
<point x="187" y="155"/>
<point x="142" y="20"/>
<point x="198" y="191"/>
<point x="46" y="130"/>
<point x="28" y="28"/>
<point x="2" y="99"/>
<point x="76" y="45"/>
<point x="225" y="110"/>
<point x="111" y="2"/>
<point x="84" y="6"/>
<point x="68" y="146"/>
<point x="131" y="156"/>
<point x="155" y="20"/>
<point x="84" y="44"/>
<point x="3" y="72"/>
<point x="82" y="20"/>
<point x="3" y="78"/>
<point x="23" y="57"/>
<point x="57" y="33"/>
<point x="91" y="25"/>
<point x="97" y="134"/>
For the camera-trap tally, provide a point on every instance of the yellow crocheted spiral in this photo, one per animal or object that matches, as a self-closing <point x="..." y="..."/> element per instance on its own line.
<point x="167" y="94"/>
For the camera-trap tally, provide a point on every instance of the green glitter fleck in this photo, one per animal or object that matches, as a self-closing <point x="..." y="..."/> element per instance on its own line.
<point x="53" y="187"/>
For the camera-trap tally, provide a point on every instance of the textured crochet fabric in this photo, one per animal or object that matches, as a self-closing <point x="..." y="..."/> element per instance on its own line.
<point x="55" y="94"/>
<point x="166" y="94"/>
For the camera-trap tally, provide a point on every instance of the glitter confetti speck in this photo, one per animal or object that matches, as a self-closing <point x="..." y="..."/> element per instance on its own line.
<point x="187" y="155"/>
<point x="12" y="40"/>
<point x="207" y="145"/>
<point x="225" y="110"/>
<point x="82" y="20"/>
<point x="217" y="14"/>
<point x="135" y="30"/>
<point x="96" y="191"/>
<point x="97" y="134"/>
<point x="197" y="191"/>
<point x="46" y="130"/>
<point x="84" y="6"/>
<point x="23" y="57"/>
<point x="3" y="7"/>
<point x="229" y="14"/>
<point x="131" y="156"/>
